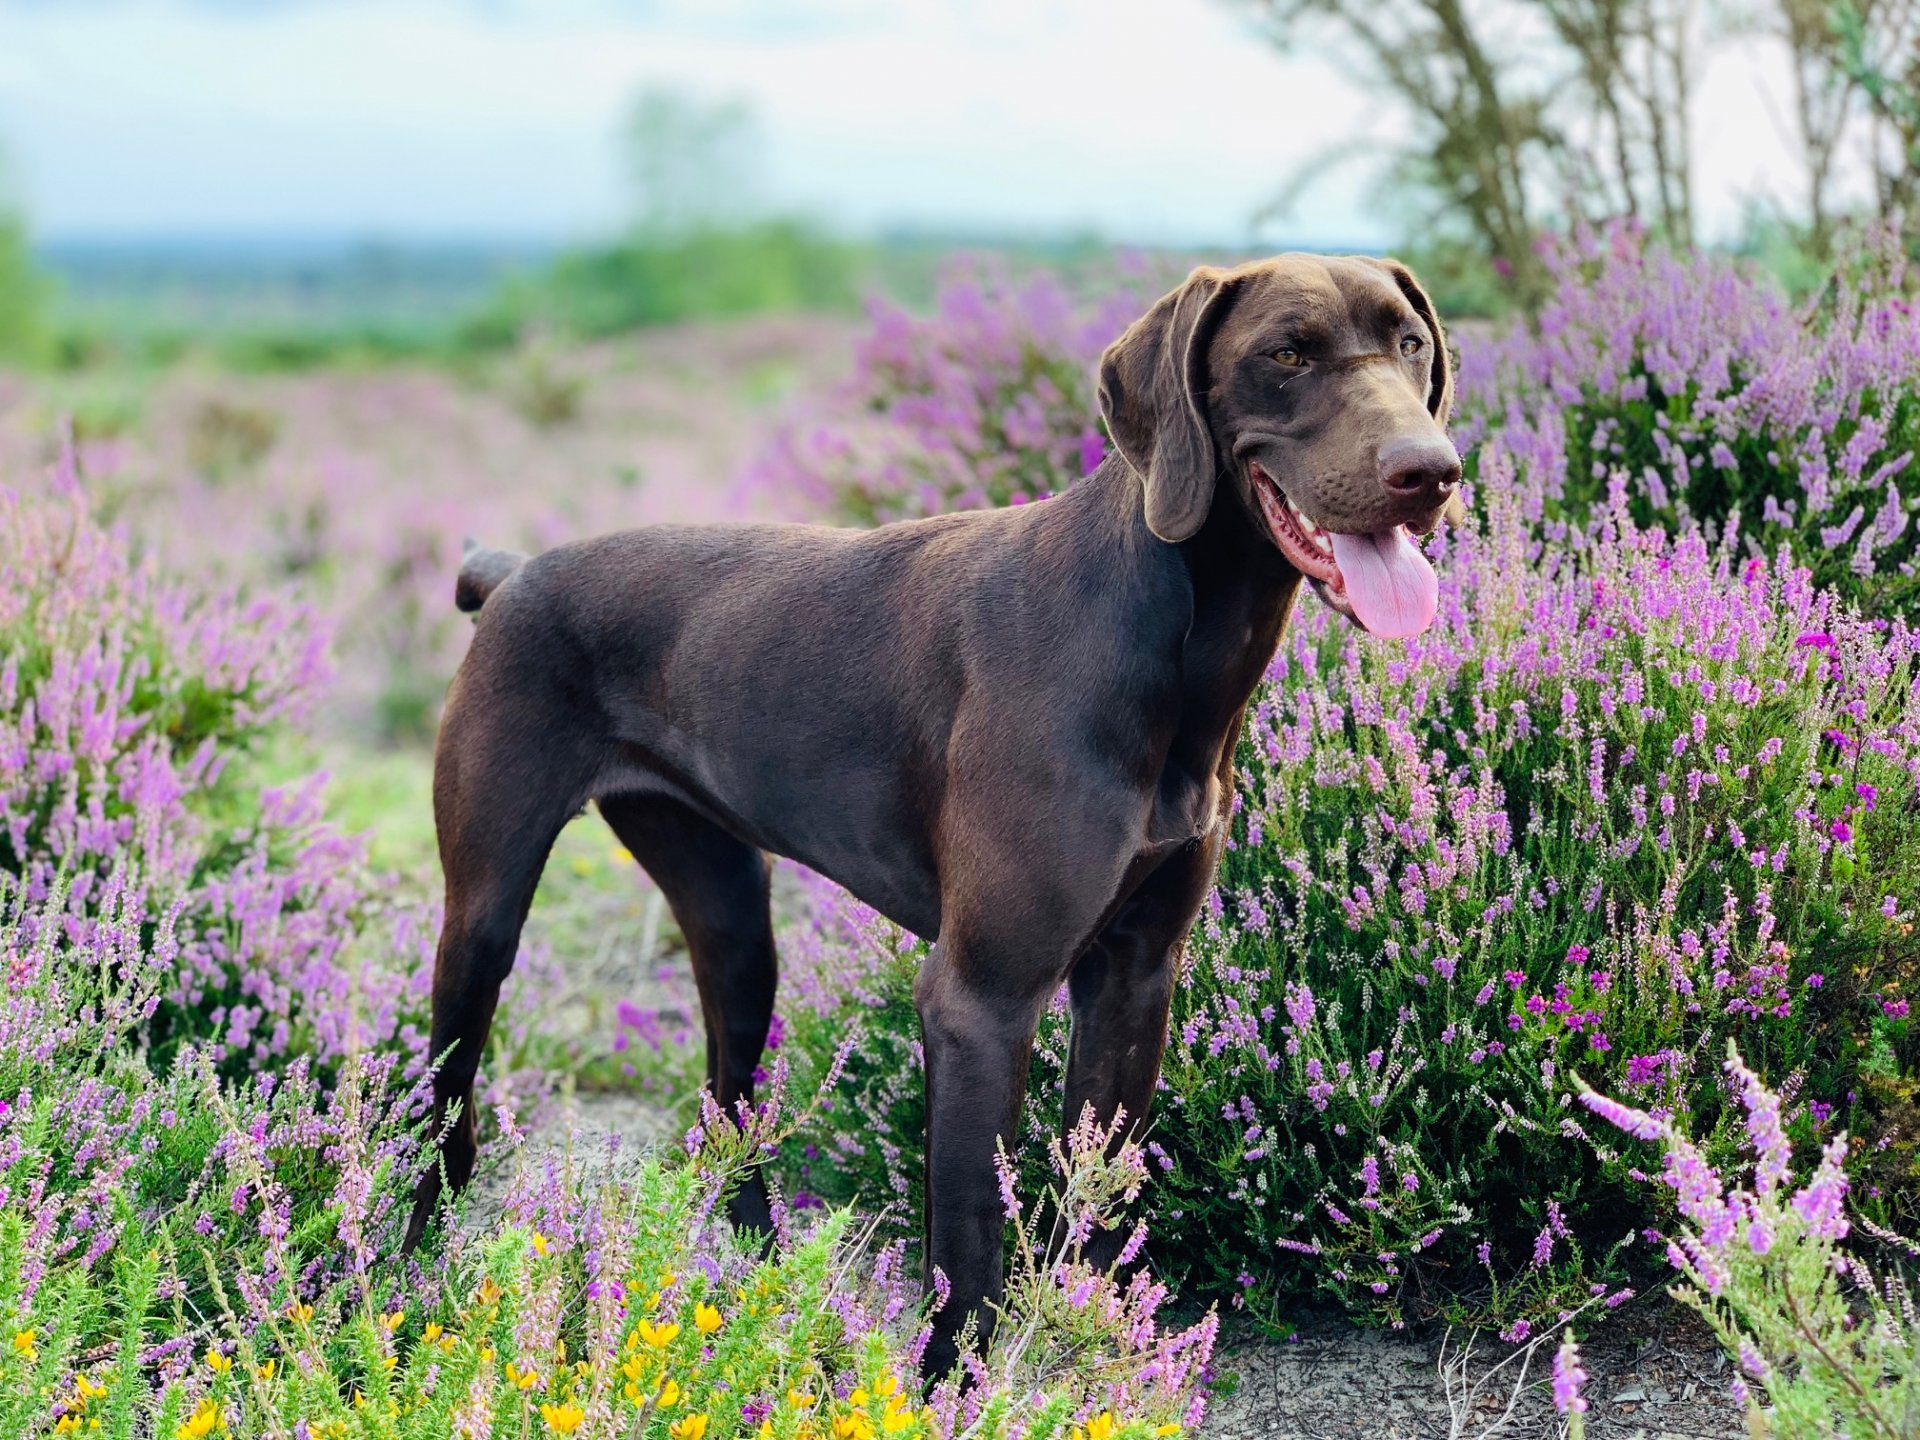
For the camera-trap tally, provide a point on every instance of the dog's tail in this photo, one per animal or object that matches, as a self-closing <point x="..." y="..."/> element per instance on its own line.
<point x="481" y="571"/>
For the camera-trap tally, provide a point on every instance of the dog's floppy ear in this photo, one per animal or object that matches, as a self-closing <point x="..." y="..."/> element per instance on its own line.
<point x="1153" y="396"/>
<point x="1440" y="387"/>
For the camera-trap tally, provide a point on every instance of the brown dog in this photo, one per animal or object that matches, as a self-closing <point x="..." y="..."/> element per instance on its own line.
<point x="1012" y="730"/>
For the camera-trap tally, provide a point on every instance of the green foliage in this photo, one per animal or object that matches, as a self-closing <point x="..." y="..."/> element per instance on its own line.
<point x="25" y="338"/>
<point x="756" y="268"/>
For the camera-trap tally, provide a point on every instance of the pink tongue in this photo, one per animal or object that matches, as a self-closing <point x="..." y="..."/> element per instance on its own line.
<point x="1389" y="583"/>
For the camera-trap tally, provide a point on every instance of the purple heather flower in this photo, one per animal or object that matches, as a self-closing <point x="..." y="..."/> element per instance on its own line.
<point x="1569" y="1379"/>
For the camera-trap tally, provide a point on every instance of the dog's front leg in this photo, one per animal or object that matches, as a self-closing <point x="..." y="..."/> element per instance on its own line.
<point x="1121" y="992"/>
<point x="977" y="1027"/>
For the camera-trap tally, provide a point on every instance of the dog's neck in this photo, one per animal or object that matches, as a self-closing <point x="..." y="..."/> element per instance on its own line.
<point x="1242" y="590"/>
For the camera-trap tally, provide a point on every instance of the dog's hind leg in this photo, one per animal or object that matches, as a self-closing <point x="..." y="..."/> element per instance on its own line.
<point x="719" y="890"/>
<point x="499" y="799"/>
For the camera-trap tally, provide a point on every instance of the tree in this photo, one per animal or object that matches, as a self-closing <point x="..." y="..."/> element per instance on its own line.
<point x="1527" y="108"/>
<point x="1633" y="156"/>
<point x="1878" y="48"/>
<point x="1481" y="139"/>
<point x="694" y="165"/>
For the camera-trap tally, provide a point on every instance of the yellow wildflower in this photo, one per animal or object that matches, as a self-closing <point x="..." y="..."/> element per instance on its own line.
<point x="392" y="1321"/>
<point x="298" y="1313"/>
<point x="541" y="1243"/>
<point x="896" y="1420"/>
<point x="488" y="1292"/>
<point x="706" y="1319"/>
<point x="23" y="1344"/>
<point x="389" y="1361"/>
<point x="521" y="1379"/>
<point x="800" y="1400"/>
<point x="1101" y="1427"/>
<point x="87" y="1389"/>
<point x="669" y="1394"/>
<point x="218" y="1363"/>
<point x="563" y="1419"/>
<point x="658" y="1336"/>
<point x="1168" y="1429"/>
<point x="689" y="1427"/>
<point x="852" y="1427"/>
<point x="431" y="1333"/>
<point x="201" y="1423"/>
<point x="65" y="1424"/>
<point x="265" y="1370"/>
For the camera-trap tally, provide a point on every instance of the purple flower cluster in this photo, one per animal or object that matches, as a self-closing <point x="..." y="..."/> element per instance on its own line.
<point x="1720" y="1215"/>
<point x="129" y="705"/>
<point x="988" y="401"/>
<point x="1694" y="383"/>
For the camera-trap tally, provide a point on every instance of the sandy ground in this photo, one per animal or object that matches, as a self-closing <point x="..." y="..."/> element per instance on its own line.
<point x="1656" y="1375"/>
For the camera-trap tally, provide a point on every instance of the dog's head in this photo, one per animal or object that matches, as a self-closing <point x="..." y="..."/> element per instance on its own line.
<point x="1319" y="388"/>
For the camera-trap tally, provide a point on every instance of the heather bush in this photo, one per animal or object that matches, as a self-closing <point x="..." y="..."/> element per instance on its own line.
<point x="140" y="719"/>
<point x="134" y="709"/>
<point x="1829" y="1346"/>
<point x="182" y="1255"/>
<point x="1697" y="379"/>
<point x="987" y="401"/>
<point x="1610" y="812"/>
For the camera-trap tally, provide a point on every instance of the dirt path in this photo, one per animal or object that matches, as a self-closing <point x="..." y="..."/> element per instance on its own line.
<point x="1656" y="1375"/>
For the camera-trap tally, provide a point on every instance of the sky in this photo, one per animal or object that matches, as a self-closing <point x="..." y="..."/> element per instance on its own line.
<point x="1150" y="121"/>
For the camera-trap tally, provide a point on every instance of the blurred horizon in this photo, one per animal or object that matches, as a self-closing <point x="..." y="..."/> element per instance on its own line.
<point x="421" y="123"/>
<point x="175" y="122"/>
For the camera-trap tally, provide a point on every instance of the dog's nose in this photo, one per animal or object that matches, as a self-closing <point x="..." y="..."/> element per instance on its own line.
<point x="1420" y="465"/>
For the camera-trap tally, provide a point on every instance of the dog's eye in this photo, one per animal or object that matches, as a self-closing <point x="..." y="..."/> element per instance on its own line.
<point x="1410" y="346"/>
<point x="1289" y="356"/>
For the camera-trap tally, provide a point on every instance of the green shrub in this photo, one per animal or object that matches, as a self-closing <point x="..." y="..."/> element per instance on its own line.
<point x="754" y="268"/>
<point x="1605" y="817"/>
